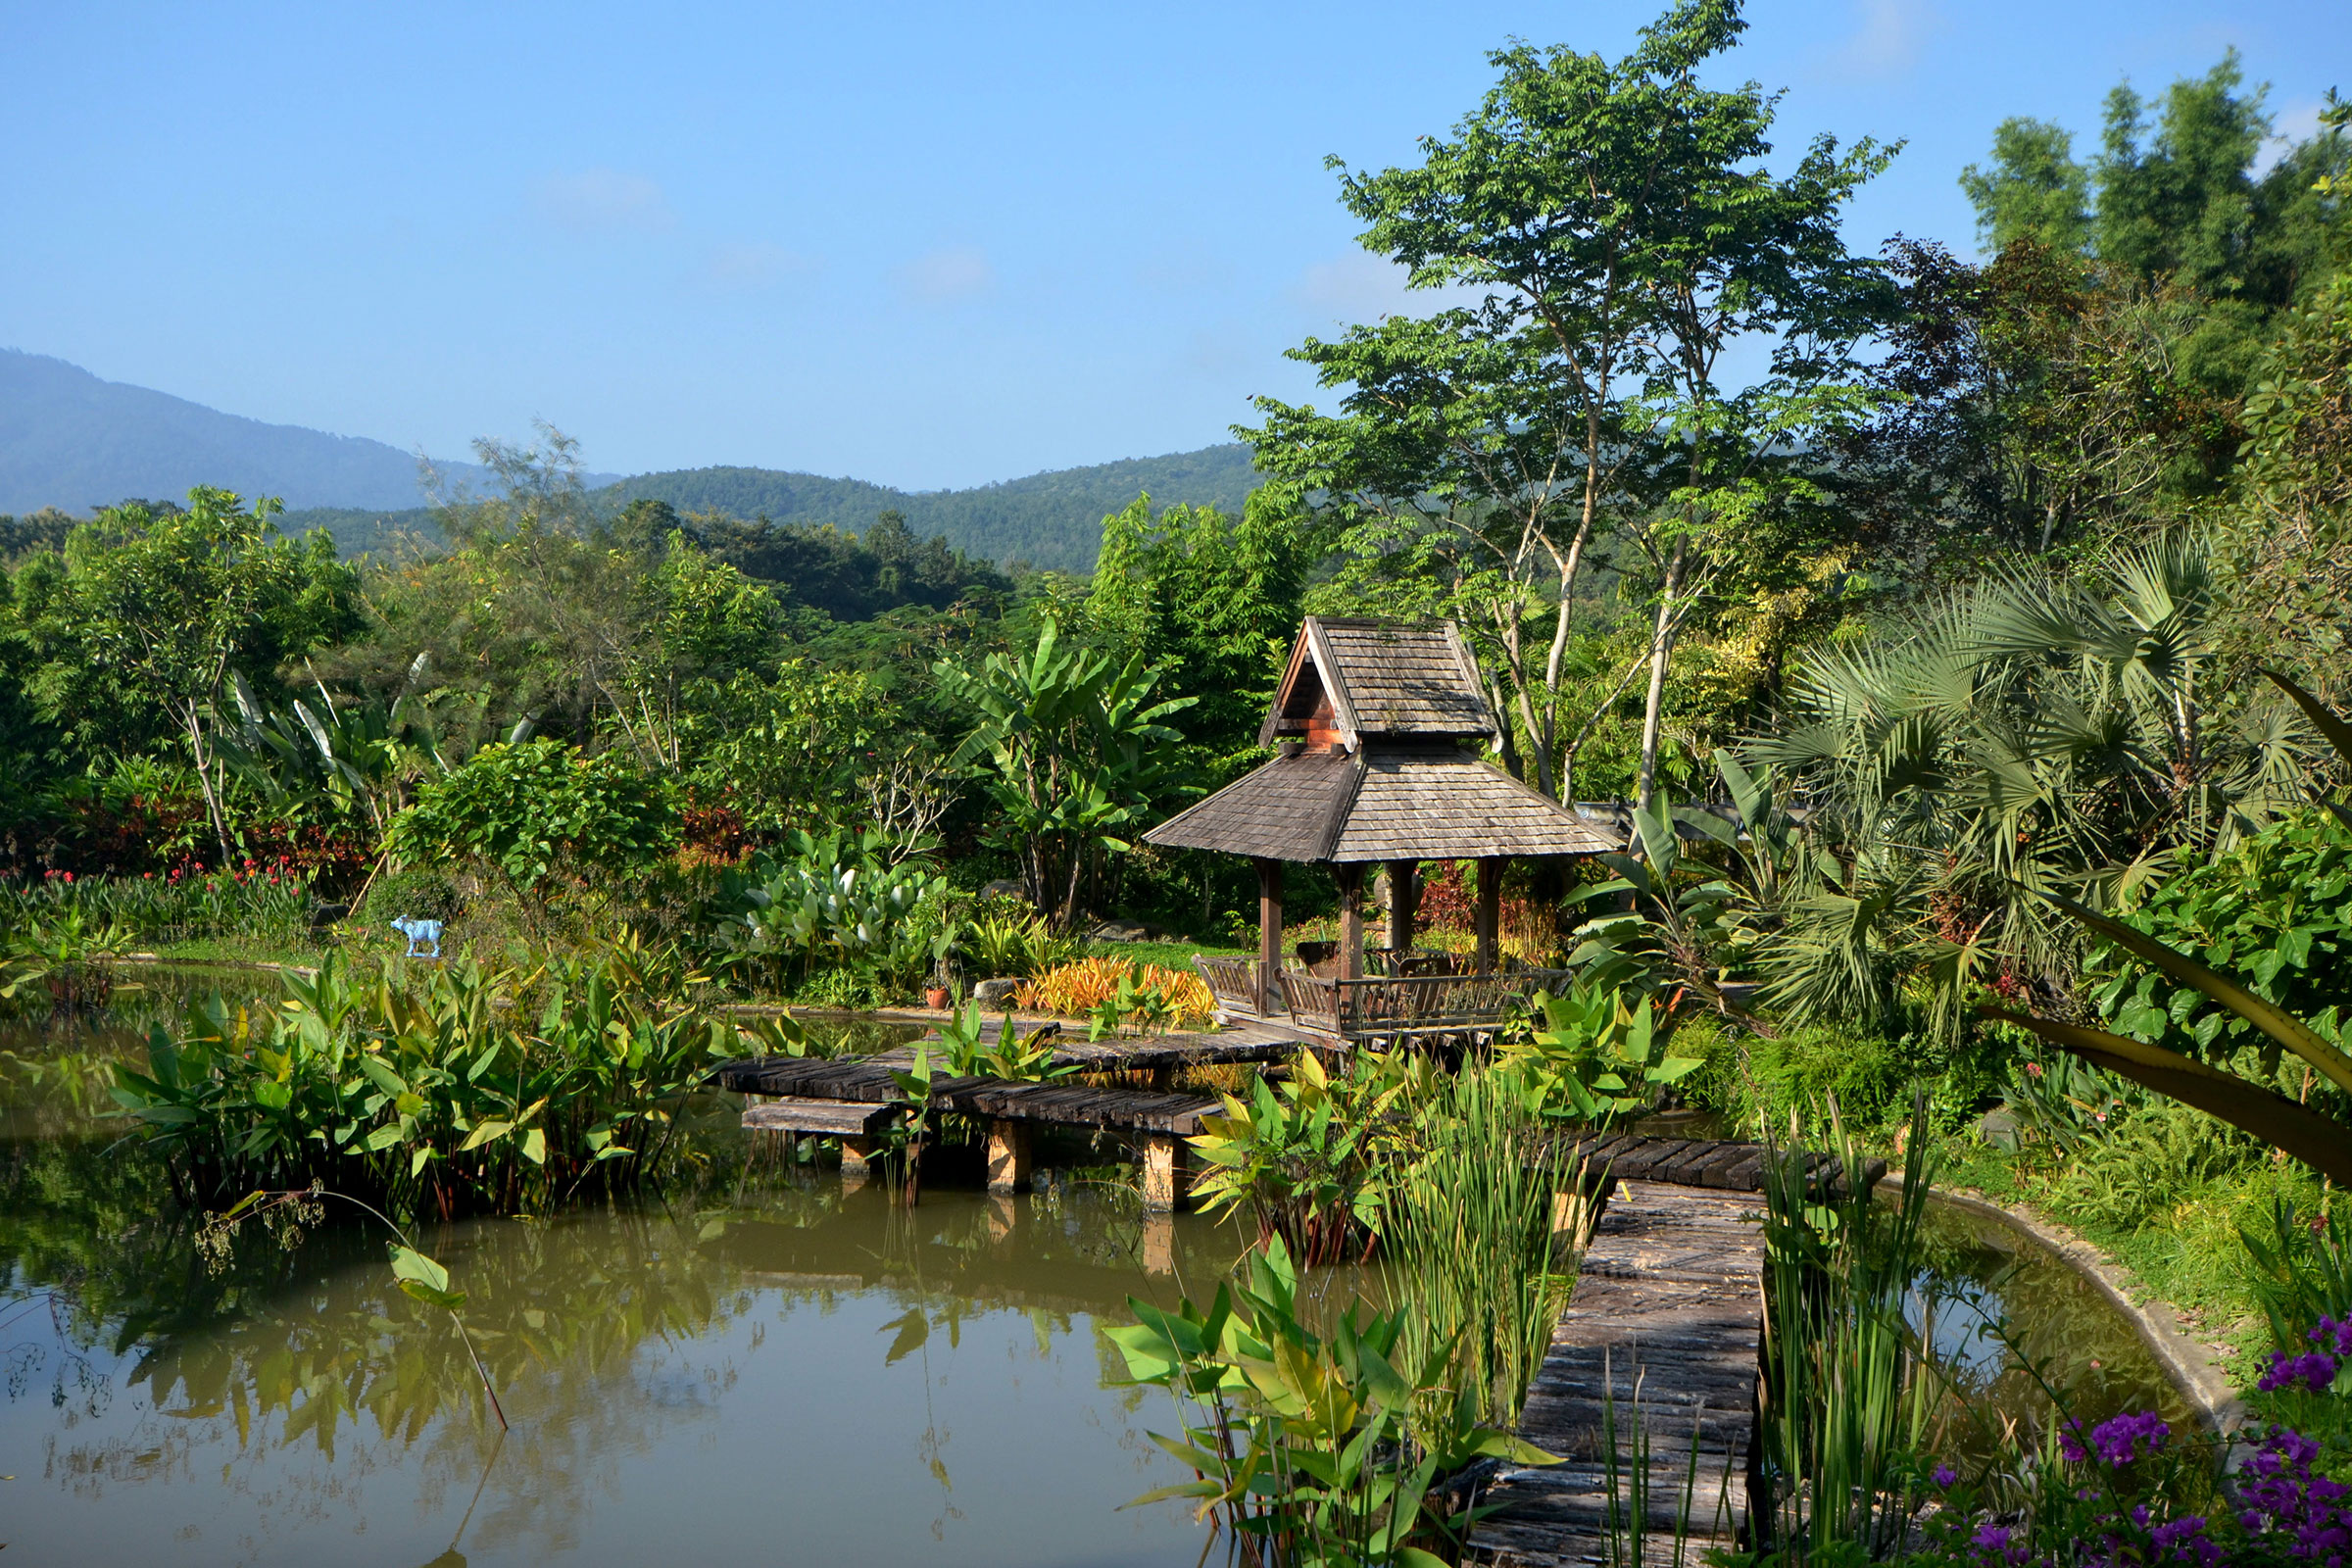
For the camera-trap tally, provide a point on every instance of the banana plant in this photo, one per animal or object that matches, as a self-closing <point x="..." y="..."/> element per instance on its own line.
<point x="2320" y="1141"/>
<point x="1680" y="933"/>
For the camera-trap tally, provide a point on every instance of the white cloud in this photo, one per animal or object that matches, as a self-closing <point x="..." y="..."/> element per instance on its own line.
<point x="949" y="274"/>
<point x="755" y="263"/>
<point x="601" y="201"/>
<point x="1887" y="41"/>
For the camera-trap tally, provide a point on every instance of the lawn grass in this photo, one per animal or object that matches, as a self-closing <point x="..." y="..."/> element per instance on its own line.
<point x="1167" y="954"/>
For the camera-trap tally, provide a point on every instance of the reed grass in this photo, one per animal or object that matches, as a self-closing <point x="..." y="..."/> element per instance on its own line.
<point x="1848" y="1388"/>
<point x="1468" y="1235"/>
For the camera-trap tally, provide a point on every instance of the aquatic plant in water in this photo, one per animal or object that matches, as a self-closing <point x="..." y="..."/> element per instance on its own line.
<point x="1315" y="1449"/>
<point x="438" y="1088"/>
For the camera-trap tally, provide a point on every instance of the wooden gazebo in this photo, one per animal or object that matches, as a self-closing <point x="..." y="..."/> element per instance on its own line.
<point x="1378" y="728"/>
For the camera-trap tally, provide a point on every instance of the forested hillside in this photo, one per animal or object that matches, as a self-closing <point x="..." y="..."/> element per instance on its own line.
<point x="1048" y="520"/>
<point x="74" y="442"/>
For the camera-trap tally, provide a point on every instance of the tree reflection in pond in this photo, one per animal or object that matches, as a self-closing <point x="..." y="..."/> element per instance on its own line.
<point x="787" y="1369"/>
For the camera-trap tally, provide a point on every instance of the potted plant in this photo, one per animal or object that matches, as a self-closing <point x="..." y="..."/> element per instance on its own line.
<point x="942" y="988"/>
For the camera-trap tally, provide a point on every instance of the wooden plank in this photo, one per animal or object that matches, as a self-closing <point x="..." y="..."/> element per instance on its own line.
<point x="1662" y="1329"/>
<point x="837" y="1118"/>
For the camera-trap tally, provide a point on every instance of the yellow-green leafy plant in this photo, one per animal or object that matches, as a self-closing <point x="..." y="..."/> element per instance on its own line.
<point x="1313" y="1448"/>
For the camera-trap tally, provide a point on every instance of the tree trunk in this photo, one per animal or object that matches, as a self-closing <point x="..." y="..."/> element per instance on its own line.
<point x="193" y="719"/>
<point x="1661" y="650"/>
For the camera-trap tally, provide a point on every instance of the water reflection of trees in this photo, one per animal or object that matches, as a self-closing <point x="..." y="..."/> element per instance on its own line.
<point x="1997" y="1303"/>
<point x="608" y="1334"/>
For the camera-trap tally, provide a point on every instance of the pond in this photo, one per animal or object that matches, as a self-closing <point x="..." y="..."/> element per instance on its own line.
<point x="2014" y="1322"/>
<point x="773" y="1365"/>
<point x="768" y="1364"/>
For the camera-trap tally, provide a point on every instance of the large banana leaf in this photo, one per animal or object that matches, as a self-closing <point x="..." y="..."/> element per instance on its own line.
<point x="2320" y="1142"/>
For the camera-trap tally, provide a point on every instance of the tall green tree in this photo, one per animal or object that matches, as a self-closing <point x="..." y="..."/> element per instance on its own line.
<point x="1213" y="600"/>
<point x="164" y="609"/>
<point x="1618" y="225"/>
<point x="2032" y="189"/>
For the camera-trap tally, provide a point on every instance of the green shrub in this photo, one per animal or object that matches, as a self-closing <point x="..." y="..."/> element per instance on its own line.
<point x="538" y="808"/>
<point x="2275" y="911"/>
<point x="412" y="893"/>
<point x="834" y="902"/>
<point x="449" y="1084"/>
<point x="1756" y="1080"/>
<point x="2148" y="1164"/>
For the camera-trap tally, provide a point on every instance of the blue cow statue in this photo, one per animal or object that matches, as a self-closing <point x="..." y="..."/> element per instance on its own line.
<point x="426" y="932"/>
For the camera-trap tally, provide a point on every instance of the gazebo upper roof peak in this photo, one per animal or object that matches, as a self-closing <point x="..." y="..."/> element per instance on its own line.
<point x="1353" y="680"/>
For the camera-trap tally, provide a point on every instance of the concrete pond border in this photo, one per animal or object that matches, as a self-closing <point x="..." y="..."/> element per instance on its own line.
<point x="2192" y="1366"/>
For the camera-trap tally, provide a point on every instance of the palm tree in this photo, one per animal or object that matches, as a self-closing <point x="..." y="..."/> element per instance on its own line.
<point x="2031" y="733"/>
<point x="2314" y="1130"/>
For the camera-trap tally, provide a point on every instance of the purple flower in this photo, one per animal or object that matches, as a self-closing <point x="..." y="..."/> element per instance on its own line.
<point x="2185" y="1540"/>
<point x="1994" y="1544"/>
<point x="2116" y="1441"/>
<point x="2313" y="1370"/>
<point x="1944" y="1475"/>
<point x="2278" y="1495"/>
<point x="2334" y="1335"/>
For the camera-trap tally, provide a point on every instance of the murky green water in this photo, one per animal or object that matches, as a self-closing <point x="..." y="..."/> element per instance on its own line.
<point x="2016" y="1324"/>
<point x="775" y="1369"/>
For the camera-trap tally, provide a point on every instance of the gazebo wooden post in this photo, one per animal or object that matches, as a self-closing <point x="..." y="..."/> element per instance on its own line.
<point x="1489" y="911"/>
<point x="1404" y="892"/>
<point x="1351" y="919"/>
<point x="1269" y="937"/>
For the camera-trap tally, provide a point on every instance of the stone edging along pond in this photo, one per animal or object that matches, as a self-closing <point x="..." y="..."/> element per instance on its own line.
<point x="2192" y="1365"/>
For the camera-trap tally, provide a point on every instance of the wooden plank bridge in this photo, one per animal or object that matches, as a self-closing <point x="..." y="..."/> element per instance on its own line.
<point x="1658" y="1347"/>
<point x="1659" y="1339"/>
<point x="816" y="1096"/>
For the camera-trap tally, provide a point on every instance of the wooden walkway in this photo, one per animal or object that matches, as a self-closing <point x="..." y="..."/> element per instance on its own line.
<point x="867" y="1080"/>
<point x="1694" y="1163"/>
<point x="1244" y="1044"/>
<point x="1664" y="1324"/>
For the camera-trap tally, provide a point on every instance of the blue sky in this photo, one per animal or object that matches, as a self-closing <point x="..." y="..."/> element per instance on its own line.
<point x="924" y="245"/>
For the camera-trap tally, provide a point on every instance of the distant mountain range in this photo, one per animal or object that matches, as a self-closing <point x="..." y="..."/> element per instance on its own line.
<point x="73" y="441"/>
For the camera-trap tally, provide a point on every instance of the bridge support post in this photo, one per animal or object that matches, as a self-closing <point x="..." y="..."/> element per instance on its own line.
<point x="1159" y="1242"/>
<point x="1163" y="1172"/>
<point x="856" y="1162"/>
<point x="1007" y="1156"/>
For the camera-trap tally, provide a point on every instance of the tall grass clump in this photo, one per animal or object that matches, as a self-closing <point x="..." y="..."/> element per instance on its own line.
<point x="1847" y="1390"/>
<point x="1470" y="1236"/>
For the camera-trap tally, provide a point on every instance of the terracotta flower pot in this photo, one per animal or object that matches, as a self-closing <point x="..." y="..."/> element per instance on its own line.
<point x="936" y="997"/>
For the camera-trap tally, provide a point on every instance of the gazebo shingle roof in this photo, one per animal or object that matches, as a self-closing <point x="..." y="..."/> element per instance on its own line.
<point x="1420" y="803"/>
<point x="1387" y="775"/>
<point x="1382" y="680"/>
